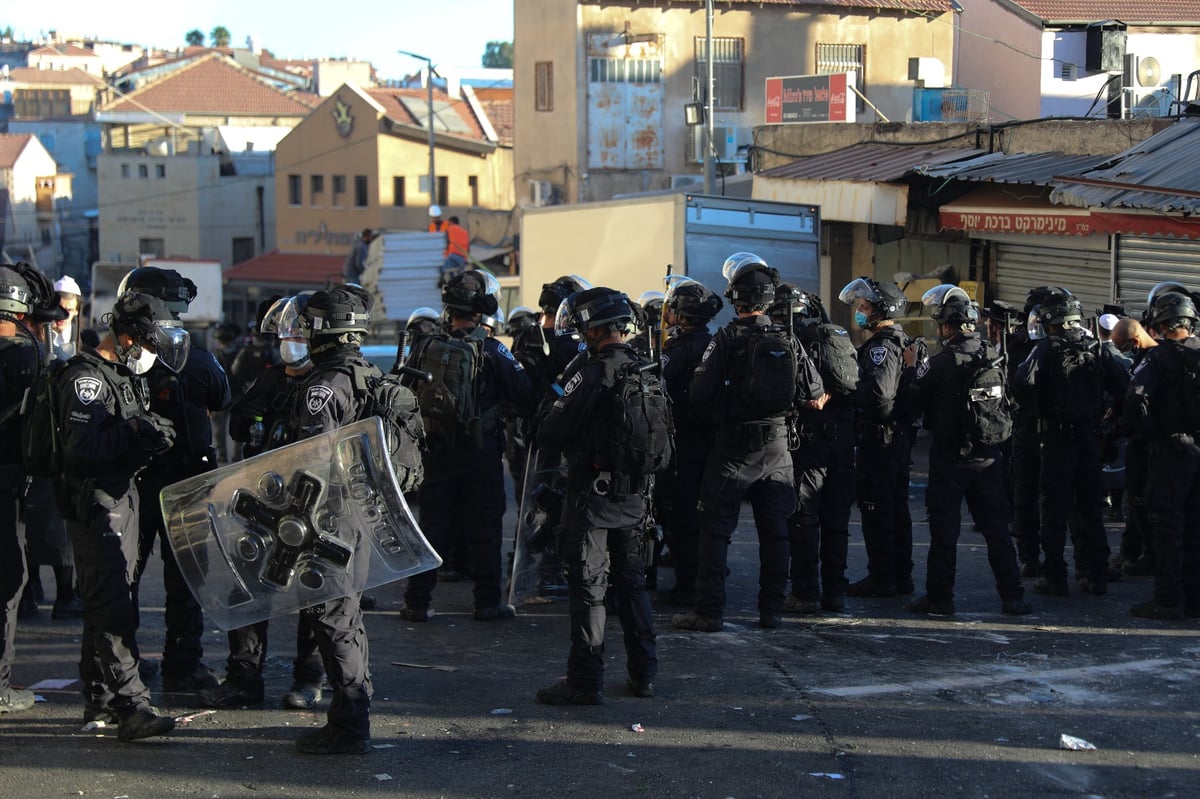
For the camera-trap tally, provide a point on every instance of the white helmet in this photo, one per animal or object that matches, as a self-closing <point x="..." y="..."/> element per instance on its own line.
<point x="435" y="210"/>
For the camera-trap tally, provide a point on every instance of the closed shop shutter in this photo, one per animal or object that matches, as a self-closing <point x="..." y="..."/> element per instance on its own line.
<point x="1086" y="271"/>
<point x="1144" y="262"/>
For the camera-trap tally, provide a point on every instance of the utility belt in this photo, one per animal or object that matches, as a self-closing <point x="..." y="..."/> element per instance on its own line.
<point x="609" y="484"/>
<point x="822" y="431"/>
<point x="880" y="434"/>
<point x="750" y="436"/>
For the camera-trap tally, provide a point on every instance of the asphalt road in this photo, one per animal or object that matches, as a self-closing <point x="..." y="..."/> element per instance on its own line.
<point x="872" y="702"/>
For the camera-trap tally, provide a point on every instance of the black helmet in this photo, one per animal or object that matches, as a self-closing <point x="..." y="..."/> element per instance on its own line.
<point x="341" y="309"/>
<point x="594" y="307"/>
<point x="1172" y="310"/>
<point x="691" y="299"/>
<point x="805" y="305"/>
<point x="950" y="305"/>
<point x="751" y="282"/>
<point x="554" y="293"/>
<point x="15" y="296"/>
<point x="520" y="319"/>
<point x="1043" y="295"/>
<point x="475" y="292"/>
<point x="887" y="301"/>
<point x="1065" y="312"/>
<point x="167" y="285"/>
<point x="147" y="320"/>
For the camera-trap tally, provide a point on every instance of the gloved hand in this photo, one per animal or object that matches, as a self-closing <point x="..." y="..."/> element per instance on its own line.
<point x="155" y="432"/>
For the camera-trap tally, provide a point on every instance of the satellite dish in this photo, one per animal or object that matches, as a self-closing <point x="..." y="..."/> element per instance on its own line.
<point x="1148" y="71"/>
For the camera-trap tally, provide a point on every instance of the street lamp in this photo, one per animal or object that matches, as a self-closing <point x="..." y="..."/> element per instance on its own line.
<point x="433" y="198"/>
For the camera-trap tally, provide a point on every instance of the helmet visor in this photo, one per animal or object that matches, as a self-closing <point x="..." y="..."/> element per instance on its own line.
<point x="938" y="295"/>
<point x="171" y="343"/>
<point x="858" y="289"/>
<point x="564" y="319"/>
<point x="1034" y="326"/>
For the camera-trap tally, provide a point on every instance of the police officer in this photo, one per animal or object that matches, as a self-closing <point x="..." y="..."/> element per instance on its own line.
<point x="463" y="490"/>
<point x="603" y="523"/>
<point x="750" y="456"/>
<point x="187" y="399"/>
<point x="819" y="530"/>
<point x="647" y="340"/>
<point x="1067" y="377"/>
<point x="522" y="321"/>
<point x="543" y="353"/>
<point x="687" y="308"/>
<point x="261" y="420"/>
<point x="22" y="289"/>
<point x="1161" y="404"/>
<point x="1136" y="555"/>
<point x="962" y="462"/>
<point x="333" y="322"/>
<point x="108" y="436"/>
<point x="884" y="440"/>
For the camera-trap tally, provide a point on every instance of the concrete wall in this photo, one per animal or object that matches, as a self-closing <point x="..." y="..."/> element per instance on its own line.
<point x="1000" y="50"/>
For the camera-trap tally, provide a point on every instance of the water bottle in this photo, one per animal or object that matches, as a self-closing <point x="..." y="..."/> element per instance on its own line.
<point x="257" y="431"/>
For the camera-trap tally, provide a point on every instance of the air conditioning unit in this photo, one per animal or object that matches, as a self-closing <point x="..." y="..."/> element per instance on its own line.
<point x="725" y="144"/>
<point x="541" y="192"/>
<point x="678" y="181"/>
<point x="1150" y="105"/>
<point x="1068" y="72"/>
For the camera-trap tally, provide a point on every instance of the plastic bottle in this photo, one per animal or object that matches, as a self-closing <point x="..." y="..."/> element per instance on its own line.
<point x="257" y="431"/>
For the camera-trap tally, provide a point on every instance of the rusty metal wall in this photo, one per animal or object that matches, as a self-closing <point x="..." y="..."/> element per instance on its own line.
<point x="625" y="102"/>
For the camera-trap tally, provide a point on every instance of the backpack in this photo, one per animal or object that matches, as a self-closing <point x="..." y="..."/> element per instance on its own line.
<point x="641" y="428"/>
<point x="769" y="365"/>
<point x="986" y="407"/>
<point x="836" y="358"/>
<point x="1078" y="393"/>
<point x="41" y="423"/>
<point x="383" y="395"/>
<point x="450" y="401"/>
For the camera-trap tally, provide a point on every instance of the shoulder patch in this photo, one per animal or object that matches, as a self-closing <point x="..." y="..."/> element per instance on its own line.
<point x="503" y="350"/>
<point x="87" y="389"/>
<point x="317" y="397"/>
<point x="712" y="345"/>
<point x="922" y="369"/>
<point x="572" y="384"/>
<point x="878" y="355"/>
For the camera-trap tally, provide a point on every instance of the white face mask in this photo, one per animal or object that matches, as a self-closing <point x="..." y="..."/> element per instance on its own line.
<point x="142" y="363"/>
<point x="293" y="353"/>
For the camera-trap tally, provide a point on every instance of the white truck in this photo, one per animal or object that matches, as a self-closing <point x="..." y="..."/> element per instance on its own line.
<point x="205" y="311"/>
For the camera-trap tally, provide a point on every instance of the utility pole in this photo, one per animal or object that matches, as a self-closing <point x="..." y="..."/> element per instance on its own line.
<point x="433" y="198"/>
<point x="710" y="84"/>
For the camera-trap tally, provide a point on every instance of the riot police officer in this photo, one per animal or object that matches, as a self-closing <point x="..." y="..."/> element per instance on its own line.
<point x="334" y="322"/>
<point x="884" y="440"/>
<point x="750" y="456"/>
<point x="463" y="490"/>
<point x="186" y="398"/>
<point x="108" y="436"/>
<point x="1162" y="405"/>
<point x="260" y="420"/>
<point x="965" y="459"/>
<point x="647" y="341"/>
<point x="604" y="515"/>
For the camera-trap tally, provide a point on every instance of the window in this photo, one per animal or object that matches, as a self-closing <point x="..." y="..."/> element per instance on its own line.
<point x="243" y="249"/>
<point x="360" y="191"/>
<point x="124" y="170"/>
<point x="543" y="86"/>
<point x="727" y="72"/>
<point x="143" y="171"/>
<point x="473" y="185"/>
<point x="154" y="247"/>
<point x="832" y="58"/>
<point x="316" y="188"/>
<point x="160" y="170"/>
<point x="398" y="191"/>
<point x="443" y="190"/>
<point x="294" y="190"/>
<point x="339" y="190"/>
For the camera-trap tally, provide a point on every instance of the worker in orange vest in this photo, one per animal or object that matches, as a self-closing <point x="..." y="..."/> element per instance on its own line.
<point x="436" y="225"/>
<point x="458" y="249"/>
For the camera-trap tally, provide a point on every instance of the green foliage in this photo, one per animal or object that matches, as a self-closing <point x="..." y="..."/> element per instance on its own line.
<point x="498" y="55"/>
<point x="194" y="37"/>
<point x="220" y="36"/>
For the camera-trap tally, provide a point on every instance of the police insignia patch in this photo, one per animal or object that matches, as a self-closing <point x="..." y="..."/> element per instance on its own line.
<point x="87" y="389"/>
<point x="708" y="350"/>
<point x="317" y="398"/>
<point x="878" y="354"/>
<point x="922" y="369"/>
<point x="572" y="384"/>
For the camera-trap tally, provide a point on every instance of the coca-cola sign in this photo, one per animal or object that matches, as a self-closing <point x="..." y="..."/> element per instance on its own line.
<point x="810" y="98"/>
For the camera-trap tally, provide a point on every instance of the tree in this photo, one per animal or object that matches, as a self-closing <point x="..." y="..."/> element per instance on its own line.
<point x="220" y="36"/>
<point x="194" y="37"/>
<point x="498" y="55"/>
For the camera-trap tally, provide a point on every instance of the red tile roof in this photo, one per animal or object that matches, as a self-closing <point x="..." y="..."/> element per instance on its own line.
<point x="294" y="270"/>
<point x="55" y="77"/>
<point x="886" y="5"/>
<point x="395" y="110"/>
<point x="1123" y="10"/>
<point x="500" y="114"/>
<point x="11" y="145"/>
<point x="214" y="85"/>
<point x="72" y="50"/>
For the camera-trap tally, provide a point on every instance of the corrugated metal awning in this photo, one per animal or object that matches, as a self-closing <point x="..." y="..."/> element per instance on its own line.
<point x="874" y="163"/>
<point x="1035" y="168"/>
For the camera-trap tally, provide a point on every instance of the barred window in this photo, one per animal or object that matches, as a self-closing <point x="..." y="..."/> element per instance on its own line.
<point x="728" y="72"/>
<point x="543" y="86"/>
<point x="833" y="58"/>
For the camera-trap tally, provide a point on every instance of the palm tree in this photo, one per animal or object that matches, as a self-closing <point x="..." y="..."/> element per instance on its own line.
<point x="220" y="36"/>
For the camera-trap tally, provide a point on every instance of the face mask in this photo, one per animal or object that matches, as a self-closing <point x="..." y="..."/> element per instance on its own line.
<point x="860" y="319"/>
<point x="141" y="363"/>
<point x="294" y="353"/>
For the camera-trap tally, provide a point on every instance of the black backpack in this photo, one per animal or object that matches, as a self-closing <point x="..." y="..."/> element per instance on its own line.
<point x="383" y="395"/>
<point x="641" y="428"/>
<point x="1078" y="394"/>
<point x="41" y="423"/>
<point x="986" y="407"/>
<point x="450" y="401"/>
<point x="769" y="362"/>
<point x="836" y="358"/>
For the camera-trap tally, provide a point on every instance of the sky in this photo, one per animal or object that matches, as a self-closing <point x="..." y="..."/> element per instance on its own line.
<point x="454" y="33"/>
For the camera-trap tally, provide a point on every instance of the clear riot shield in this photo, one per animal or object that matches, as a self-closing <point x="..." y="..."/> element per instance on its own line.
<point x="294" y="527"/>
<point x="537" y="572"/>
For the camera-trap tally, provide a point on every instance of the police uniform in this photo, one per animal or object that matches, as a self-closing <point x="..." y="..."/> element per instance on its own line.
<point x="463" y="489"/>
<point x="187" y="400"/>
<point x="958" y="468"/>
<point x="1026" y="460"/>
<point x="882" y="466"/>
<point x="602" y="535"/>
